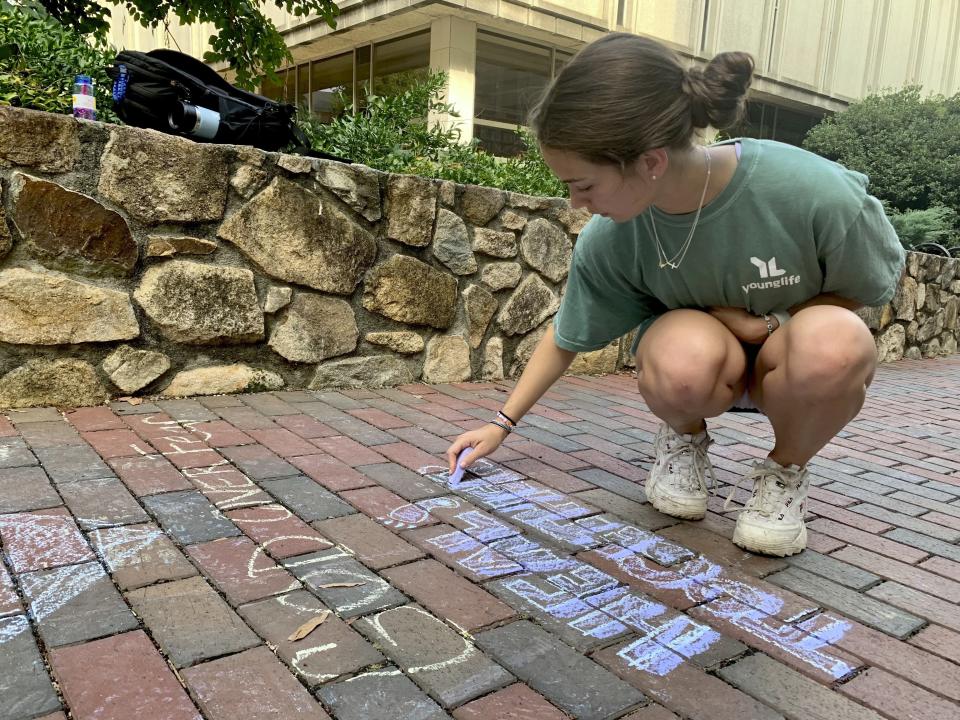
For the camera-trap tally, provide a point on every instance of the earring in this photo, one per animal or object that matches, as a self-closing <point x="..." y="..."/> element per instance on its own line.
<point x="653" y="177"/>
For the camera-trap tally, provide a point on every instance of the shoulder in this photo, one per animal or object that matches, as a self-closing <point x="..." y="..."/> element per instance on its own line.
<point x="602" y="240"/>
<point x="792" y="169"/>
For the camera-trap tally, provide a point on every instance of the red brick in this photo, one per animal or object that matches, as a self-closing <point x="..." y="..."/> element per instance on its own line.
<point x="897" y="698"/>
<point x="9" y="602"/>
<point x="281" y="533"/>
<point x="129" y="671"/>
<point x="226" y="487"/>
<point x="220" y="433"/>
<point x="330" y="472"/>
<point x="253" y="685"/>
<point x="823" y="544"/>
<point x="719" y="549"/>
<point x="241" y="570"/>
<point x="379" y="418"/>
<point x="555" y="458"/>
<point x="154" y="425"/>
<point x="901" y="572"/>
<point x="305" y="426"/>
<point x="517" y="702"/>
<point x="457" y="550"/>
<point x="941" y="519"/>
<point x="557" y="479"/>
<point x="867" y="540"/>
<point x="373" y="545"/>
<point x="42" y="539"/>
<point x="283" y="442"/>
<point x="938" y="640"/>
<point x="409" y="456"/>
<point x="140" y="555"/>
<point x="186" y="451"/>
<point x="447" y="595"/>
<point x="942" y="566"/>
<point x="918" y="603"/>
<point x="117" y="443"/>
<point x="686" y="688"/>
<point x="847" y="517"/>
<point x="94" y="418"/>
<point x="348" y="450"/>
<point x="6" y="429"/>
<point x="443" y="412"/>
<point x="148" y="475"/>
<point x="898" y="657"/>
<point x="652" y="712"/>
<point x="551" y="414"/>
<point x="387" y="508"/>
<point x="608" y="463"/>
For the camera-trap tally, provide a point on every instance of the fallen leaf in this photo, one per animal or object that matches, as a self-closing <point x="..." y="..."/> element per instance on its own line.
<point x="131" y="400"/>
<point x="341" y="585"/>
<point x="309" y="626"/>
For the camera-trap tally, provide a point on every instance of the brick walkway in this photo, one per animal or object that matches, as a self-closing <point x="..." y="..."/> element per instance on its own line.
<point x="166" y="552"/>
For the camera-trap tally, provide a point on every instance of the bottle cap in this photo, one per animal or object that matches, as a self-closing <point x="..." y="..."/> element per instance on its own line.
<point x="83" y="79"/>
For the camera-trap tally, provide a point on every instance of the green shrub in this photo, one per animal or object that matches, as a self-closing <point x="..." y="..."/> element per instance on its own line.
<point x="933" y="225"/>
<point x="907" y="144"/>
<point x="393" y="133"/>
<point x="39" y="59"/>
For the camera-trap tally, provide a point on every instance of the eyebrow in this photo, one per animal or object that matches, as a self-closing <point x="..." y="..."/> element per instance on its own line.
<point x="573" y="180"/>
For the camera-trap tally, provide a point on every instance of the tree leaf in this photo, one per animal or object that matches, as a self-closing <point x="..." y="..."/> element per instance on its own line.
<point x="309" y="626"/>
<point x="340" y="585"/>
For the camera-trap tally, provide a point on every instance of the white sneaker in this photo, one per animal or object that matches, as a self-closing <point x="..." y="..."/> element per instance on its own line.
<point x="677" y="483"/>
<point x="771" y="523"/>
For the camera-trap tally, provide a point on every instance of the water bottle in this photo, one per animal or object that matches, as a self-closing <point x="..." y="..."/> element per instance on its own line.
<point x="194" y="120"/>
<point x="84" y="100"/>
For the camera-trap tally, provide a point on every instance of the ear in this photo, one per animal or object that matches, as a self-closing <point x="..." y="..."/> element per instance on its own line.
<point x="653" y="163"/>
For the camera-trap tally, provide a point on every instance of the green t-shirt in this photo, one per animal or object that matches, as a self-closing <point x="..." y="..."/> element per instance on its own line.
<point x="790" y="225"/>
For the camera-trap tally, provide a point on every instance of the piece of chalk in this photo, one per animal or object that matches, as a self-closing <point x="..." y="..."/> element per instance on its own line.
<point x="458" y="471"/>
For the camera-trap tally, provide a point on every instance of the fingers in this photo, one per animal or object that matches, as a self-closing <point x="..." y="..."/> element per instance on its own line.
<point x="454" y="451"/>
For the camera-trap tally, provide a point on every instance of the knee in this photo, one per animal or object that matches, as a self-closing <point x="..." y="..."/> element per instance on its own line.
<point x="684" y="371"/>
<point x="829" y="350"/>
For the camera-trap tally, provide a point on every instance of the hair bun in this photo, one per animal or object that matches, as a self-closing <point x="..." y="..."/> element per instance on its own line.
<point x="718" y="92"/>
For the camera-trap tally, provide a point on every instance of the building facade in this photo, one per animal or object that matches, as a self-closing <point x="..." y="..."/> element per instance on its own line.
<point x="812" y="56"/>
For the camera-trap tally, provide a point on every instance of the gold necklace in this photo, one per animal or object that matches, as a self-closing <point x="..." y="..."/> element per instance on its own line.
<point x="674" y="262"/>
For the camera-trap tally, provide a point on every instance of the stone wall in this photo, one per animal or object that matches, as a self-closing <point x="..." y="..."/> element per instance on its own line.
<point x="136" y="263"/>
<point x="921" y="321"/>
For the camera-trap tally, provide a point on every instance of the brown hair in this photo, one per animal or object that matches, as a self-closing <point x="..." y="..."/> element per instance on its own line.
<point x="625" y="94"/>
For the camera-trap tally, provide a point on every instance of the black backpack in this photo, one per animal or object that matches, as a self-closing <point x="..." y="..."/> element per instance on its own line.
<point x="175" y="93"/>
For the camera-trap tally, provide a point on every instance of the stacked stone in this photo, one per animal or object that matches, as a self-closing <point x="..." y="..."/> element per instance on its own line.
<point x="921" y="321"/>
<point x="134" y="262"/>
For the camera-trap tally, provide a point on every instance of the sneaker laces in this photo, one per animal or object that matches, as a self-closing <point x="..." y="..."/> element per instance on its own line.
<point x="769" y="490"/>
<point x="672" y="448"/>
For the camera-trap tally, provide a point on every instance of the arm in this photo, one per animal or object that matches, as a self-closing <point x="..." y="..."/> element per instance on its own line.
<point x="750" y="328"/>
<point x="545" y="367"/>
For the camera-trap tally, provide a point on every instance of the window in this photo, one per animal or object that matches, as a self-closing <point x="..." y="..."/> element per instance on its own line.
<point x="510" y="77"/>
<point x="773" y="122"/>
<point x="330" y="85"/>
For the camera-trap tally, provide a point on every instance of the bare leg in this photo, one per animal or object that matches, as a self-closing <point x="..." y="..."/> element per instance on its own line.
<point x="690" y="367"/>
<point x="811" y="379"/>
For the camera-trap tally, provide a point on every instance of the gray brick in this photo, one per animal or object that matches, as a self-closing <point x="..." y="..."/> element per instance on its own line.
<point x="407" y="484"/>
<point x="24" y="684"/>
<point x="914" y="486"/>
<point x="905" y="521"/>
<point x="923" y="542"/>
<point x="26" y="488"/>
<point x="550" y="439"/>
<point x="571" y="619"/>
<point x="613" y="483"/>
<point x="335" y="566"/>
<point x="257" y="462"/>
<point x="71" y="463"/>
<point x="269" y="404"/>
<point x="188" y="517"/>
<point x="330" y="651"/>
<point x="552" y="426"/>
<point x="642" y="514"/>
<point x="858" y="606"/>
<point x="102" y="503"/>
<point x="442" y="662"/>
<point x="125" y="408"/>
<point x="363" y="432"/>
<point x="621" y="452"/>
<point x="15" y="453"/>
<point x="380" y="695"/>
<point x="791" y="693"/>
<point x="833" y="569"/>
<point x="75" y="603"/>
<point x="308" y="499"/>
<point x="945" y="508"/>
<point x="890" y="502"/>
<point x="186" y="411"/>
<point x="567" y="679"/>
<point x="190" y="621"/>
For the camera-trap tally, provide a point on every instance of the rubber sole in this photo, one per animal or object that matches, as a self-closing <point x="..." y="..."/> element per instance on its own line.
<point x="783" y="548"/>
<point x="678" y="510"/>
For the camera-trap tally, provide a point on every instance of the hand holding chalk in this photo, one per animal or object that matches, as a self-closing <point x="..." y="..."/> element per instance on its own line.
<point x="457" y="475"/>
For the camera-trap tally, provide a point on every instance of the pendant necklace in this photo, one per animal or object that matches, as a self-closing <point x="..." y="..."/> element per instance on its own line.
<point x="674" y="262"/>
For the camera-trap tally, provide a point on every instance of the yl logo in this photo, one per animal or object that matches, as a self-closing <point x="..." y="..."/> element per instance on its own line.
<point x="767" y="269"/>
